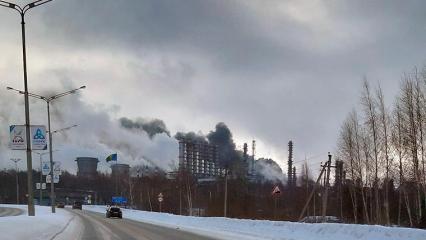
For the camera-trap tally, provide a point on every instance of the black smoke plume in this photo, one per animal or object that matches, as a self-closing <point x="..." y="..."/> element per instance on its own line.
<point x="191" y="136"/>
<point x="151" y="127"/>
<point x="222" y="137"/>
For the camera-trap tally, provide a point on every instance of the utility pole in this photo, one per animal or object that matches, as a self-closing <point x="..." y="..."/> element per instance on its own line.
<point x="16" y="160"/>
<point x="225" y="208"/>
<point x="326" y="186"/>
<point x="314" y="189"/>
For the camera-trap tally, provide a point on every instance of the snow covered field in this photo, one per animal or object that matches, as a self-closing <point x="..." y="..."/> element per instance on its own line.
<point x="227" y="228"/>
<point x="64" y="225"/>
<point x="44" y="226"/>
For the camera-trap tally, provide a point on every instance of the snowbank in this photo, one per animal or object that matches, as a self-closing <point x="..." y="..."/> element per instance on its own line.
<point x="45" y="225"/>
<point x="227" y="228"/>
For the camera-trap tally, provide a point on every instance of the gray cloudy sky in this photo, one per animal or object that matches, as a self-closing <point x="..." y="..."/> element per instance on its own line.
<point x="271" y="70"/>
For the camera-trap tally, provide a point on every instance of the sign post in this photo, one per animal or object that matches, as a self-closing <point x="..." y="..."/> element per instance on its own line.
<point x="160" y="199"/>
<point x="276" y="192"/>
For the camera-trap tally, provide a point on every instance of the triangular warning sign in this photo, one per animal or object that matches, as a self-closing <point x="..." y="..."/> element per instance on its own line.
<point x="276" y="191"/>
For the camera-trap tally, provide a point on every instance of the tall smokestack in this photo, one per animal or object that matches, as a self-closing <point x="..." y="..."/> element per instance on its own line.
<point x="253" y="151"/>
<point x="294" y="176"/>
<point x="245" y="156"/>
<point x="290" y="164"/>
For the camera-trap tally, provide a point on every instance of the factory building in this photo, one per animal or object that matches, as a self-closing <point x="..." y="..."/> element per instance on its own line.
<point x="199" y="158"/>
<point x="87" y="167"/>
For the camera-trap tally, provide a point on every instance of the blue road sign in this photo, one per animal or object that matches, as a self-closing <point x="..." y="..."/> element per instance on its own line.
<point x="119" y="200"/>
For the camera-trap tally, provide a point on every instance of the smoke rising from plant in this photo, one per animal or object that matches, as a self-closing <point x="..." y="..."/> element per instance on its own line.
<point x="191" y="136"/>
<point x="97" y="134"/>
<point x="152" y="127"/>
<point x="270" y="170"/>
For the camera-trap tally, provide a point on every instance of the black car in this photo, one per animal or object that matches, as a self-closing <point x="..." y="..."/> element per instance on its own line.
<point x="60" y="205"/>
<point x="114" y="211"/>
<point x="77" y="205"/>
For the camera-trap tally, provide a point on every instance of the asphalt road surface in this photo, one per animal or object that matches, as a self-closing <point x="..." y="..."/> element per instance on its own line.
<point x="6" y="211"/>
<point x="97" y="226"/>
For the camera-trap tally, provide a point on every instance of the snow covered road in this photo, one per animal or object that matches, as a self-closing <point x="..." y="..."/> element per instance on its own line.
<point x="228" y="228"/>
<point x="8" y="211"/>
<point x="67" y="224"/>
<point x="98" y="227"/>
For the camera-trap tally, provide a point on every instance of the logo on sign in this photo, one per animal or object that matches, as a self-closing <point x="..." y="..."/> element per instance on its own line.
<point x="17" y="139"/>
<point x="39" y="134"/>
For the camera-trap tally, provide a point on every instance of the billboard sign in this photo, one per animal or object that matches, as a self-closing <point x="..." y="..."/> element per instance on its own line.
<point x="18" y="137"/>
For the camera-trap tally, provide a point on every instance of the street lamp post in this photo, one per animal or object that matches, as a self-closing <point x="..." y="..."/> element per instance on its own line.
<point x="41" y="174"/>
<point x="22" y="11"/>
<point x="16" y="160"/>
<point x="48" y="100"/>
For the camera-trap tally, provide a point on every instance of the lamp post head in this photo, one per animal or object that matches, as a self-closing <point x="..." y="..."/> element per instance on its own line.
<point x="11" y="5"/>
<point x="82" y="87"/>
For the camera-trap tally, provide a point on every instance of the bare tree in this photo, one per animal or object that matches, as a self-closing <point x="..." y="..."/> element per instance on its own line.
<point x="347" y="151"/>
<point x="385" y="140"/>
<point x="397" y="142"/>
<point x="370" y="110"/>
<point x="408" y="107"/>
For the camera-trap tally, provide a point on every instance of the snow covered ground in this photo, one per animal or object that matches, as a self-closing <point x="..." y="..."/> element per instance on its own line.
<point x="227" y="228"/>
<point x="62" y="225"/>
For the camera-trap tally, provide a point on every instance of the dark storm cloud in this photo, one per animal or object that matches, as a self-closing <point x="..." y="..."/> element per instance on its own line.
<point x="272" y="70"/>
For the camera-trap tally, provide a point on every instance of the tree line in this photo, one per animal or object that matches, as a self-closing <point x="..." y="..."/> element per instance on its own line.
<point x="383" y="148"/>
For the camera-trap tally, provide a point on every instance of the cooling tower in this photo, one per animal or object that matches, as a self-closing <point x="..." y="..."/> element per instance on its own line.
<point x="87" y="166"/>
<point x="120" y="169"/>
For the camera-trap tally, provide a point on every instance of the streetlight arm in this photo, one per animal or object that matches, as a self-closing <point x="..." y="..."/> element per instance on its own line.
<point x="34" y="4"/>
<point x="63" y="129"/>
<point x="11" y="5"/>
<point x="29" y="94"/>
<point x="65" y="93"/>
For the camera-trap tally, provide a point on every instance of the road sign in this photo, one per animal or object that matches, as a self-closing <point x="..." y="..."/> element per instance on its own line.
<point x="18" y="137"/>
<point x="45" y="168"/>
<point x="160" y="197"/>
<point x="119" y="200"/>
<point x="57" y="168"/>
<point x="42" y="185"/>
<point x="55" y="179"/>
<point x="276" y="191"/>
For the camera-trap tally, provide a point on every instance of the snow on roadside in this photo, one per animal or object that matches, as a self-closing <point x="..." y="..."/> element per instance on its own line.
<point x="43" y="226"/>
<point x="228" y="228"/>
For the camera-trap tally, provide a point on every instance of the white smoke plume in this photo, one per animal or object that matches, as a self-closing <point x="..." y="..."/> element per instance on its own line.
<point x="98" y="133"/>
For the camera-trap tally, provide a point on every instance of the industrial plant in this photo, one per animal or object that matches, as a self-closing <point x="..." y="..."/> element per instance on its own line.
<point x="199" y="158"/>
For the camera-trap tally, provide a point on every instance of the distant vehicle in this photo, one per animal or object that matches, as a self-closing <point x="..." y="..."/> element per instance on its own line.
<point x="60" y="205"/>
<point x="114" y="211"/>
<point x="77" y="205"/>
<point x="320" y="219"/>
